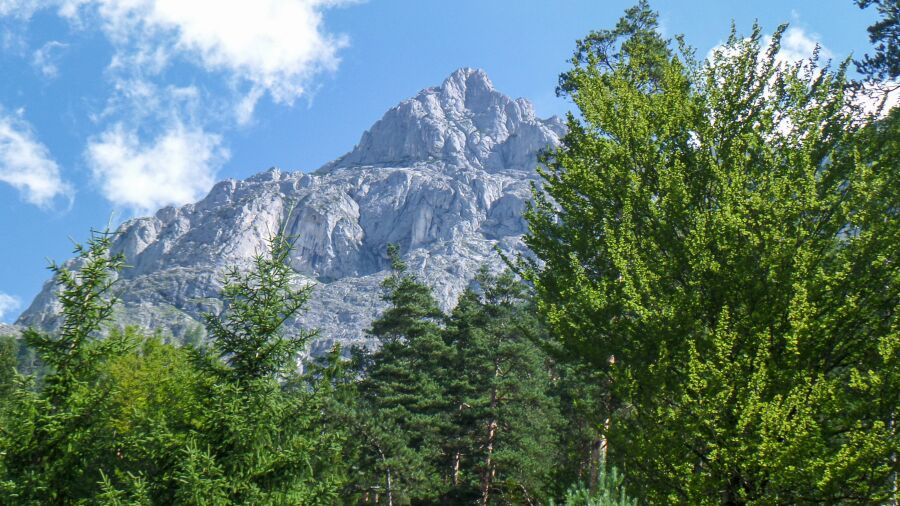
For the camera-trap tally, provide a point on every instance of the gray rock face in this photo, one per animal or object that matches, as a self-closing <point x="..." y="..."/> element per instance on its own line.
<point x="445" y="175"/>
<point x="9" y="330"/>
<point x="463" y="123"/>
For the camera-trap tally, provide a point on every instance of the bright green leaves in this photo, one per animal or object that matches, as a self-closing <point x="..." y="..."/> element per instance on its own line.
<point x="719" y="236"/>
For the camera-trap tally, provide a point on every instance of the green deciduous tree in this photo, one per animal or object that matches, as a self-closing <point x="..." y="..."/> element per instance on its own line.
<point x="152" y="406"/>
<point x="721" y="237"/>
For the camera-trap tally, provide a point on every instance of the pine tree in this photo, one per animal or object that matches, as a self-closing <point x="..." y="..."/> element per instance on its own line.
<point x="404" y="400"/>
<point x="885" y="34"/>
<point x="506" y="416"/>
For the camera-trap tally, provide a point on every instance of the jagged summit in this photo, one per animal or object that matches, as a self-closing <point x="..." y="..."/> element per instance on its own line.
<point x="463" y="122"/>
<point x="446" y="175"/>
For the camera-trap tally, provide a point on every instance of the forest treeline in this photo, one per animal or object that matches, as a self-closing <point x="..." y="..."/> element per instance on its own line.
<point x="708" y="316"/>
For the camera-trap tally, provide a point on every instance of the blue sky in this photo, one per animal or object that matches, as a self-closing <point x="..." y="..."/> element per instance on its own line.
<point x="114" y="108"/>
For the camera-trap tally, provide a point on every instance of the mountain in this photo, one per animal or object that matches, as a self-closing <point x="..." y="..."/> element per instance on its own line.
<point x="9" y="330"/>
<point x="445" y="174"/>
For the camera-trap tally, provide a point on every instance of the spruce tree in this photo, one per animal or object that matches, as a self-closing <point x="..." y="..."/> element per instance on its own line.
<point x="52" y="443"/>
<point x="261" y="440"/>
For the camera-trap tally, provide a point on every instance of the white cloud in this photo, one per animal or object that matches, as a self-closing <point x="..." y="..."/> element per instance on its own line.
<point x="798" y="45"/>
<point x="250" y="50"/>
<point x="274" y="46"/>
<point x="243" y="112"/>
<point x="8" y="306"/>
<point x="21" y="9"/>
<point x="26" y="164"/>
<point x="44" y="59"/>
<point x="876" y="99"/>
<point x="177" y="167"/>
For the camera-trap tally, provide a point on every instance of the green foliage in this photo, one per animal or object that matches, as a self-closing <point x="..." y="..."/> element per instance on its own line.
<point x="403" y="408"/>
<point x="586" y="404"/>
<point x="608" y="491"/>
<point x="451" y="413"/>
<point x="152" y="404"/>
<point x="9" y="351"/>
<point x="504" y="413"/>
<point x="258" y="302"/>
<point x="718" y="237"/>
<point x="259" y="439"/>
<point x="48" y="435"/>
<point x="137" y="495"/>
<point x="86" y="304"/>
<point x="131" y="420"/>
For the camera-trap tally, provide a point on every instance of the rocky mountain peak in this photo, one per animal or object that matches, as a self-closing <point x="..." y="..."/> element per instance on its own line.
<point x="468" y="89"/>
<point x="464" y="122"/>
<point x="446" y="175"/>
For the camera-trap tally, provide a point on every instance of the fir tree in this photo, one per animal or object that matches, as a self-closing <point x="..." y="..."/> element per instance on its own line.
<point x="261" y="440"/>
<point x="51" y="442"/>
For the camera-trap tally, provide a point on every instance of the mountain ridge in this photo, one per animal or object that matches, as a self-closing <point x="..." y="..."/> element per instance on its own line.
<point x="445" y="174"/>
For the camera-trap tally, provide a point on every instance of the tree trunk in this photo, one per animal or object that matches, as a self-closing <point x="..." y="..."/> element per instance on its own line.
<point x="457" y="455"/>
<point x="488" y="474"/>
<point x="895" y="500"/>
<point x="389" y="489"/>
<point x="594" y="464"/>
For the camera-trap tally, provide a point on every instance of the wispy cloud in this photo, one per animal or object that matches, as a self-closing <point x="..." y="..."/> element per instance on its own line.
<point x="26" y="164"/>
<point x="20" y="9"/>
<point x="9" y="305"/>
<point x="176" y="167"/>
<point x="797" y="45"/>
<point x="44" y="60"/>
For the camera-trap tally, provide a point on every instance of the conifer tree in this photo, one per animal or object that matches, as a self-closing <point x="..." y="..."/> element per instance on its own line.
<point x="9" y="350"/>
<point x="51" y="442"/>
<point x="261" y="441"/>
<point x="506" y="416"/>
<point x="884" y="64"/>
<point x="404" y="391"/>
<point x="249" y="335"/>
